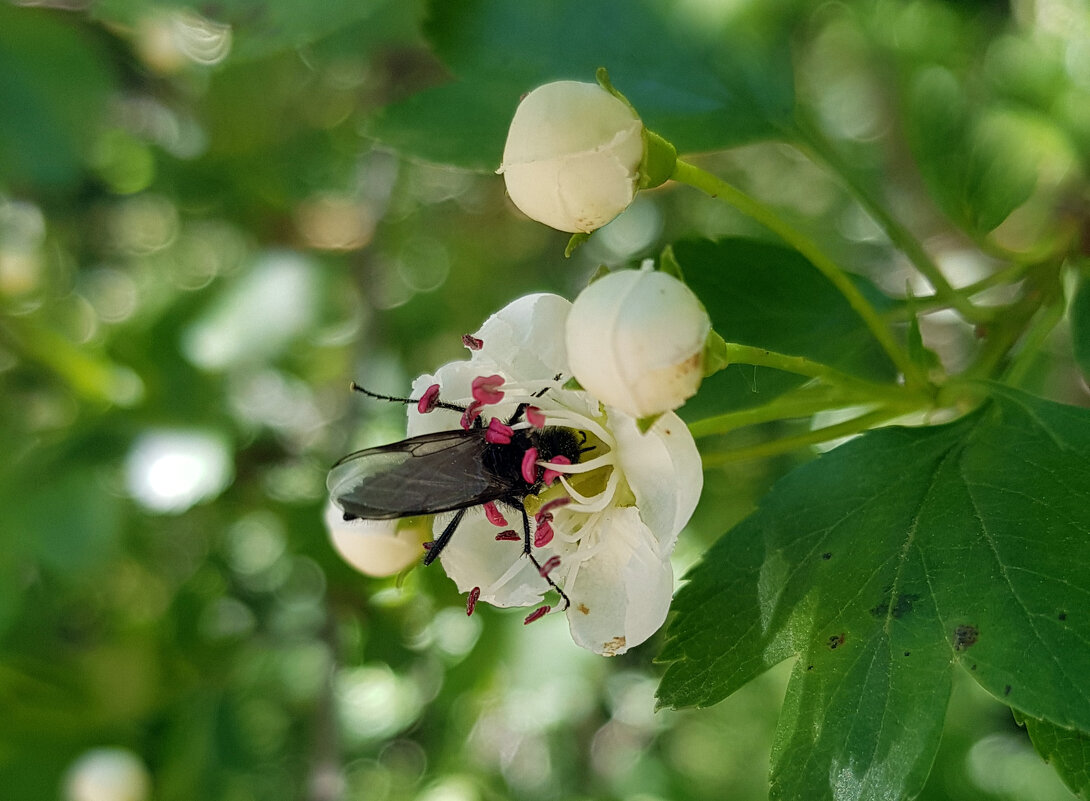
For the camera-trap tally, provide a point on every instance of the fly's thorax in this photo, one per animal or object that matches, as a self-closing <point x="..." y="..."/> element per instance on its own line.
<point x="553" y="441"/>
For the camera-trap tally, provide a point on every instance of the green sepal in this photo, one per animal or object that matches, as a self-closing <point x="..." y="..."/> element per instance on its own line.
<point x="659" y="156"/>
<point x="576" y="240"/>
<point x="602" y="76"/>
<point x="573" y="384"/>
<point x="601" y="272"/>
<point x="715" y="354"/>
<point x="659" y="160"/>
<point x="669" y="264"/>
<point x="644" y="424"/>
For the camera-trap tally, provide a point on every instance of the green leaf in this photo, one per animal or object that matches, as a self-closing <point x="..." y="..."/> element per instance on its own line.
<point x="260" y="28"/>
<point x="979" y="166"/>
<point x="700" y="89"/>
<point x="54" y="83"/>
<point x="1067" y="750"/>
<point x="769" y="296"/>
<point x="1080" y="325"/>
<point x="881" y="566"/>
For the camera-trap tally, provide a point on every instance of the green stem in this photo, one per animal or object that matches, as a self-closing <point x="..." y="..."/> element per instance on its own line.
<point x="1042" y="289"/>
<point x="815" y="145"/>
<point x="930" y="303"/>
<point x="1034" y="340"/>
<point x="787" y="444"/>
<point x="785" y="408"/>
<point x="718" y="188"/>
<point x="800" y="365"/>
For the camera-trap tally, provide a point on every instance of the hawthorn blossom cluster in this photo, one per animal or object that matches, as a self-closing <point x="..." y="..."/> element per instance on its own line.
<point x="602" y="519"/>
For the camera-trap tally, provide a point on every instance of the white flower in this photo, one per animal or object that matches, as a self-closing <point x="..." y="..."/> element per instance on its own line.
<point x="627" y="498"/>
<point x="573" y="154"/>
<point x="636" y="339"/>
<point x="377" y="547"/>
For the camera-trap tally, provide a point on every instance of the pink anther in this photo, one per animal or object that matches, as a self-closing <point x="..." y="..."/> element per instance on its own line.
<point x="472" y="412"/>
<point x="508" y="536"/>
<point x="427" y="545"/>
<point x="537" y="614"/>
<point x="499" y="433"/>
<point x="428" y="399"/>
<point x="486" y="389"/>
<point x="471" y="601"/>
<point x="493" y="514"/>
<point x="550" y="474"/>
<point x="535" y="416"/>
<point x="529" y="466"/>
<point x="472" y="342"/>
<point x="550" y="565"/>
<point x="543" y="534"/>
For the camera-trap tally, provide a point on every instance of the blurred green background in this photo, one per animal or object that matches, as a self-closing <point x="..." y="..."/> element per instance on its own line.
<point x="200" y="247"/>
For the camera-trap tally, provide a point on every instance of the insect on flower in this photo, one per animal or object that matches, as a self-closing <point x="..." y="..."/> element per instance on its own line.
<point x="452" y="471"/>
<point x="601" y="500"/>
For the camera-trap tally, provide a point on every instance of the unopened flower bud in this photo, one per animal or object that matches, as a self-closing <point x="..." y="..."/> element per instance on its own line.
<point x="635" y="341"/>
<point x="377" y="548"/>
<point x="573" y="155"/>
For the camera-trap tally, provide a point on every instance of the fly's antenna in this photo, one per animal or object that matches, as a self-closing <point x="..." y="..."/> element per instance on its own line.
<point x="407" y="401"/>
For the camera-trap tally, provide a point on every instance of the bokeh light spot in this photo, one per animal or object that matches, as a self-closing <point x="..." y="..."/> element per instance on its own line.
<point x="170" y="471"/>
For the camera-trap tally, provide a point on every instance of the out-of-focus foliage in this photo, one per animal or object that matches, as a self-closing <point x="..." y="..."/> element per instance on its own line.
<point x="201" y="244"/>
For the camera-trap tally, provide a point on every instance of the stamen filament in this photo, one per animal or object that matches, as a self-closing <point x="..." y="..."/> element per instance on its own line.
<point x="582" y="467"/>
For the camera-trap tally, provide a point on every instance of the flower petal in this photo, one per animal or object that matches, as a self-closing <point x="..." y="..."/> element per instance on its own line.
<point x="621" y="594"/>
<point x="566" y="117"/>
<point x="664" y="471"/>
<point x="473" y="558"/>
<point x="525" y="339"/>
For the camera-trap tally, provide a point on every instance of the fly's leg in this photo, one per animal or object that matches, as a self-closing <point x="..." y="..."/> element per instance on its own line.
<point x="520" y="410"/>
<point x="533" y="559"/>
<point x="440" y="542"/>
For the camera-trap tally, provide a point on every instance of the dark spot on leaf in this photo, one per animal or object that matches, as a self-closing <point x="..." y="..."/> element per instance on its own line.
<point x="1063" y="615"/>
<point x="908" y="653"/>
<point x="809" y="667"/>
<point x="836" y="641"/>
<point x="827" y="555"/>
<point x="965" y="636"/>
<point x="1007" y="690"/>
<point x="972" y="667"/>
<point x="903" y="604"/>
<point x="895" y="608"/>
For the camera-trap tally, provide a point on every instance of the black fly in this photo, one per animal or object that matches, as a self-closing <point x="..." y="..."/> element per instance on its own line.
<point x="452" y="471"/>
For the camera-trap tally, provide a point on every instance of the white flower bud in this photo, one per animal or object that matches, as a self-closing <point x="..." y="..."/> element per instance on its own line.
<point x="107" y="774"/>
<point x="573" y="154"/>
<point x="635" y="341"/>
<point x="377" y="548"/>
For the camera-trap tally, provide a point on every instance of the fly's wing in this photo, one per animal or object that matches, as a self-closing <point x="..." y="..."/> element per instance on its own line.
<point x="418" y="476"/>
